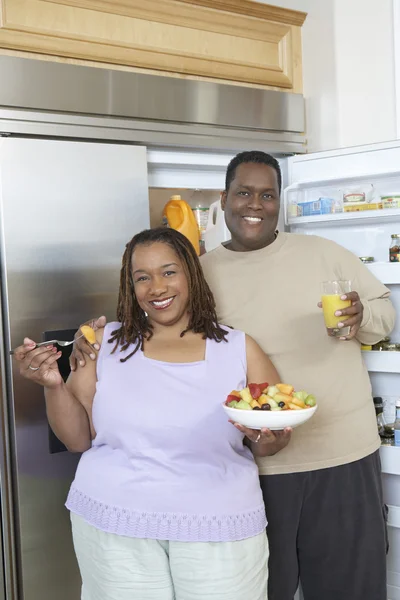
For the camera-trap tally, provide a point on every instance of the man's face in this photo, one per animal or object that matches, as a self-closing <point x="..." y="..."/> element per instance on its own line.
<point x="251" y="207"/>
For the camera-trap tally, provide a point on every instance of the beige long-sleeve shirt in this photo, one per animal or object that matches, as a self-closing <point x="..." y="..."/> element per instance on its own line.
<point x="272" y="295"/>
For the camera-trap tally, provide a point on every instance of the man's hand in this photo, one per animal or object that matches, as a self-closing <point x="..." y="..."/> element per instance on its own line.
<point x="82" y="346"/>
<point x="265" y="442"/>
<point x="354" y="313"/>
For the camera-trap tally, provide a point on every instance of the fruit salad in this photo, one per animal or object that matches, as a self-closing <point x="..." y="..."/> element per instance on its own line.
<point x="261" y="396"/>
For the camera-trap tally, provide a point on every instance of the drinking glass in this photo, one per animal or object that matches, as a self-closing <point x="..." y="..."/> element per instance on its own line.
<point x="331" y="302"/>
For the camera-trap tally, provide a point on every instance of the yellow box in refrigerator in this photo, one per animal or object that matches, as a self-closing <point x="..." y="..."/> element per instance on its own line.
<point x="360" y="207"/>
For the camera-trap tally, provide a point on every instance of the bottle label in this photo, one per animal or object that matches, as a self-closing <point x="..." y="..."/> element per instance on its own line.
<point x="397" y="437"/>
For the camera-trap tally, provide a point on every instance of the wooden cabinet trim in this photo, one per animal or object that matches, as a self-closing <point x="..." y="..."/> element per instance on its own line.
<point x="188" y="38"/>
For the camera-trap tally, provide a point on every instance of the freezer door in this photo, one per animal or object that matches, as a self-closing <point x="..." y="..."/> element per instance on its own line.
<point x="68" y="209"/>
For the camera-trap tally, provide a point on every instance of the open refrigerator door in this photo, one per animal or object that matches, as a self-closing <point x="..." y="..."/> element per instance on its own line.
<point x="352" y="197"/>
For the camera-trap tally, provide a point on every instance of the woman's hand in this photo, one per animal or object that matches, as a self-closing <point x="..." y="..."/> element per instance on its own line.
<point x="265" y="442"/>
<point x="39" y="364"/>
<point x="82" y="346"/>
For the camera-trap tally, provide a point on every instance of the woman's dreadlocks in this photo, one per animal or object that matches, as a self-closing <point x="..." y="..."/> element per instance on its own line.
<point x="135" y="327"/>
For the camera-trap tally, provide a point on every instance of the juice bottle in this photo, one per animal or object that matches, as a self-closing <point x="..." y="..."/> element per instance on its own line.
<point x="179" y="215"/>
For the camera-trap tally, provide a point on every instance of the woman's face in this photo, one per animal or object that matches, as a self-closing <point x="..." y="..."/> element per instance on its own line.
<point x="161" y="286"/>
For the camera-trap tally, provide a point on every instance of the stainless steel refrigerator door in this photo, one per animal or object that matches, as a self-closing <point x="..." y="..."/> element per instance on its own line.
<point x="68" y="209"/>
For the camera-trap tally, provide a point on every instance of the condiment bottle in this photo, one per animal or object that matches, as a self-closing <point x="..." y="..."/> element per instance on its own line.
<point x="394" y="250"/>
<point x="378" y="403"/>
<point x="397" y="425"/>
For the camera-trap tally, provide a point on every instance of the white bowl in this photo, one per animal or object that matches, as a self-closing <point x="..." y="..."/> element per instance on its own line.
<point x="272" y="419"/>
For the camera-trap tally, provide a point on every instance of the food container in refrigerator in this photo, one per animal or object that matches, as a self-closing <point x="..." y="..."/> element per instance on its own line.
<point x="361" y="198"/>
<point x="322" y="206"/>
<point x="391" y="201"/>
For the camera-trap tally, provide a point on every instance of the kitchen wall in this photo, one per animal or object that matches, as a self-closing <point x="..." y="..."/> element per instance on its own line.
<point x="364" y="52"/>
<point x="348" y="71"/>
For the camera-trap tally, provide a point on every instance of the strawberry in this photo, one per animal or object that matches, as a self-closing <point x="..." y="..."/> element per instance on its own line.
<point x="255" y="390"/>
<point x="263" y="386"/>
<point x="231" y="398"/>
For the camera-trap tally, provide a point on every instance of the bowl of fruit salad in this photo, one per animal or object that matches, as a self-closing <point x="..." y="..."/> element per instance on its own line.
<point x="277" y="406"/>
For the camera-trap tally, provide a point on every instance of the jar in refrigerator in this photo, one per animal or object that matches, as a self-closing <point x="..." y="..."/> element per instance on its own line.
<point x="394" y="250"/>
<point x="378" y="403"/>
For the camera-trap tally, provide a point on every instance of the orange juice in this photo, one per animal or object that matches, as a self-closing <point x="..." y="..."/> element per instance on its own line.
<point x="330" y="304"/>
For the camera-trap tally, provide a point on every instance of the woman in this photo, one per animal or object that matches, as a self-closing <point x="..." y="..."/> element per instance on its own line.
<point x="166" y="502"/>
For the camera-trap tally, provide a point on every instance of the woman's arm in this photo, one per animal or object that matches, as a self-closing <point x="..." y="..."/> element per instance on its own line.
<point x="80" y="387"/>
<point x="69" y="408"/>
<point x="260" y="369"/>
<point x="68" y="418"/>
<point x="259" y="366"/>
<point x="68" y="405"/>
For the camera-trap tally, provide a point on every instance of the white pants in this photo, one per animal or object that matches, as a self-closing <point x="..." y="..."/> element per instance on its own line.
<point x="115" y="567"/>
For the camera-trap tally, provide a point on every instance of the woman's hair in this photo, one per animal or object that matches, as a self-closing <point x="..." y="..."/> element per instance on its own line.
<point x="134" y="323"/>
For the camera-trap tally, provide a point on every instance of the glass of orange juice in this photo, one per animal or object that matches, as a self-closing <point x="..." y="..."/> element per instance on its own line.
<point x="331" y="302"/>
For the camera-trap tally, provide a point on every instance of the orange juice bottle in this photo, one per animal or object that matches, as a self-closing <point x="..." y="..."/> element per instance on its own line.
<point x="179" y="216"/>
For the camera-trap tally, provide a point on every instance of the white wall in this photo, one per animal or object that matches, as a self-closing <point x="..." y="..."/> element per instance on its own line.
<point x="348" y="71"/>
<point x="319" y="73"/>
<point x="364" y="54"/>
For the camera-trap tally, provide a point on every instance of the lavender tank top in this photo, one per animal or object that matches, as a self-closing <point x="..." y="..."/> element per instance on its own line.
<point x="166" y="464"/>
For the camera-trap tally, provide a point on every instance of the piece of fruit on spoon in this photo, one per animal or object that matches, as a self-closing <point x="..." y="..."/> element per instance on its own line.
<point x="89" y="334"/>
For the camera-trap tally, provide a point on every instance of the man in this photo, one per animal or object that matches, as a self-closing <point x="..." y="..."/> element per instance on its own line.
<point x="326" y="523"/>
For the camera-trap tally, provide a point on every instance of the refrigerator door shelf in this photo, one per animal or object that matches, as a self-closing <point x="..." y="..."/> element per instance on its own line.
<point x="382" y="362"/>
<point x="352" y="218"/>
<point x="388" y="273"/>
<point x="390" y="460"/>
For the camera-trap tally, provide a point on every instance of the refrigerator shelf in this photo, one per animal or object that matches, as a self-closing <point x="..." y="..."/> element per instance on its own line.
<point x="382" y="362"/>
<point x="390" y="459"/>
<point x="369" y="216"/>
<point x="388" y="273"/>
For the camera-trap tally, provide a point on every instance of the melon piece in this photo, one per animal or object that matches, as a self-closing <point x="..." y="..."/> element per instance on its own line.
<point x="89" y="334"/>
<point x="246" y="396"/>
<point x="310" y="401"/>
<point x="254" y="404"/>
<point x="294" y="407"/>
<point x="263" y="399"/>
<point x="302" y="395"/>
<point x="285" y="388"/>
<point x="242" y="405"/>
<point x="272" y="390"/>
<point x="283" y="398"/>
<point x="298" y="402"/>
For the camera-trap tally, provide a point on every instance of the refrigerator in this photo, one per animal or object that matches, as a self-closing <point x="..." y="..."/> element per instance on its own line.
<point x="67" y="210"/>
<point x="375" y="171"/>
<point x="68" y="207"/>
